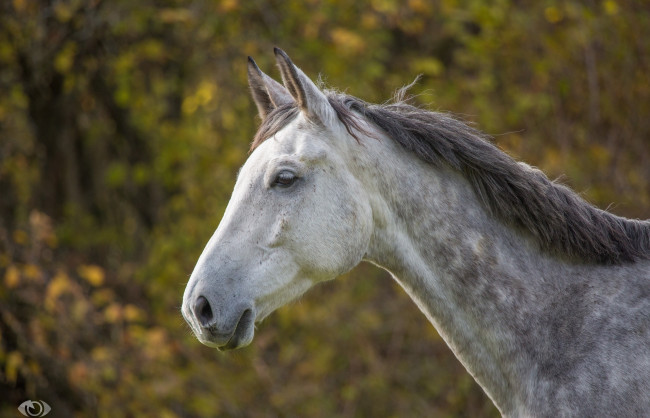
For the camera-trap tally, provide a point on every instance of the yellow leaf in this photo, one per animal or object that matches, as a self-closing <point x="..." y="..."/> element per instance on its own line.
<point x="92" y="274"/>
<point x="35" y="368"/>
<point x="190" y="104"/>
<point x="206" y="92"/>
<point x="553" y="14"/>
<point x="32" y="272"/>
<point x="228" y="5"/>
<point x="20" y="5"/>
<point x="63" y="11"/>
<point x="113" y="313"/>
<point x="79" y="310"/>
<point x="156" y="338"/>
<point x="168" y="414"/>
<point x="100" y="354"/>
<point x="78" y="374"/>
<point x="611" y="7"/>
<point x="12" y="277"/>
<point x="132" y="313"/>
<point x="428" y="66"/>
<point x="14" y="361"/>
<point x="347" y="40"/>
<point x="388" y="7"/>
<point x="420" y="6"/>
<point x="20" y="237"/>
<point x="59" y="284"/>
<point x="102" y="297"/>
<point x="152" y="49"/>
<point x="65" y="58"/>
<point x="178" y="15"/>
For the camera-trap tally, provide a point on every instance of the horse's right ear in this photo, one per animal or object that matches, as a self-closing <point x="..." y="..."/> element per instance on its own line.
<point x="267" y="93"/>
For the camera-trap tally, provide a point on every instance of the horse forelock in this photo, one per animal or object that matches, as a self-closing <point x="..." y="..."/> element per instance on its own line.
<point x="274" y="122"/>
<point x="558" y="219"/>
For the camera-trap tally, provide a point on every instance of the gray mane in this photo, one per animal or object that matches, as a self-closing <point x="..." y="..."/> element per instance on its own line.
<point x="559" y="220"/>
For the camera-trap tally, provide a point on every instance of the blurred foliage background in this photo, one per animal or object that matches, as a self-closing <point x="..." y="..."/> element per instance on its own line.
<point x="123" y="124"/>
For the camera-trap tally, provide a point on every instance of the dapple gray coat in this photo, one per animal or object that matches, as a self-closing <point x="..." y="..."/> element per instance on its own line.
<point x="544" y="298"/>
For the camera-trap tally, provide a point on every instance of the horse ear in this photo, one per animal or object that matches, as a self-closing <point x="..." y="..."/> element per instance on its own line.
<point x="267" y="93"/>
<point x="308" y="97"/>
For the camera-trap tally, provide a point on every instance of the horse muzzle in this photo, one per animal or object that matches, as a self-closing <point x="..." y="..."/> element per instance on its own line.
<point x="224" y="332"/>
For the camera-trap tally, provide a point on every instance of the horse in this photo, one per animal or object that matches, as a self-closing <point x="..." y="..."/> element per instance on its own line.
<point x="544" y="298"/>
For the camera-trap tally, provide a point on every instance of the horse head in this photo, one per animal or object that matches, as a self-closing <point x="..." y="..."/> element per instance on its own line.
<point x="298" y="215"/>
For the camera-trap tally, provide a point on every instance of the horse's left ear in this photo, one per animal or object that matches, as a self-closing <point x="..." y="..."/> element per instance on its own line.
<point x="309" y="98"/>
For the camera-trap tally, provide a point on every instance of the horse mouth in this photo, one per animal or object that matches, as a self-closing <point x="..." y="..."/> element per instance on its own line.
<point x="242" y="335"/>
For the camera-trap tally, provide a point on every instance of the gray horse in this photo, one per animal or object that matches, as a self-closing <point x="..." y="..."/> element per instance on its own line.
<point x="544" y="298"/>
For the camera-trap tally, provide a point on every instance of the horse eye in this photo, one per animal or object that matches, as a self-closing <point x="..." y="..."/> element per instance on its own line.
<point x="284" y="179"/>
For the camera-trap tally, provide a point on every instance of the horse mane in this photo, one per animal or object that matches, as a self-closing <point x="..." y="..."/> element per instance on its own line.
<point x="559" y="220"/>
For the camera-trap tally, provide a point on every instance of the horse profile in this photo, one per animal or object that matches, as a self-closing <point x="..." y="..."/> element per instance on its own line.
<point x="544" y="298"/>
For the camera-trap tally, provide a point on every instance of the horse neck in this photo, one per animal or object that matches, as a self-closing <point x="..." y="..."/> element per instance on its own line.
<point x="474" y="278"/>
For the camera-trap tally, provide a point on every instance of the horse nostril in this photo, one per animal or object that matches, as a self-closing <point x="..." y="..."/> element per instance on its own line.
<point x="203" y="311"/>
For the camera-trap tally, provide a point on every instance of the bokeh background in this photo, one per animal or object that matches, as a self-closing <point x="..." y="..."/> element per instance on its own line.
<point x="123" y="124"/>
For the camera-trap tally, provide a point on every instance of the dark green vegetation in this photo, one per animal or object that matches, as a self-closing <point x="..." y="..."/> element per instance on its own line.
<point x="123" y="124"/>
